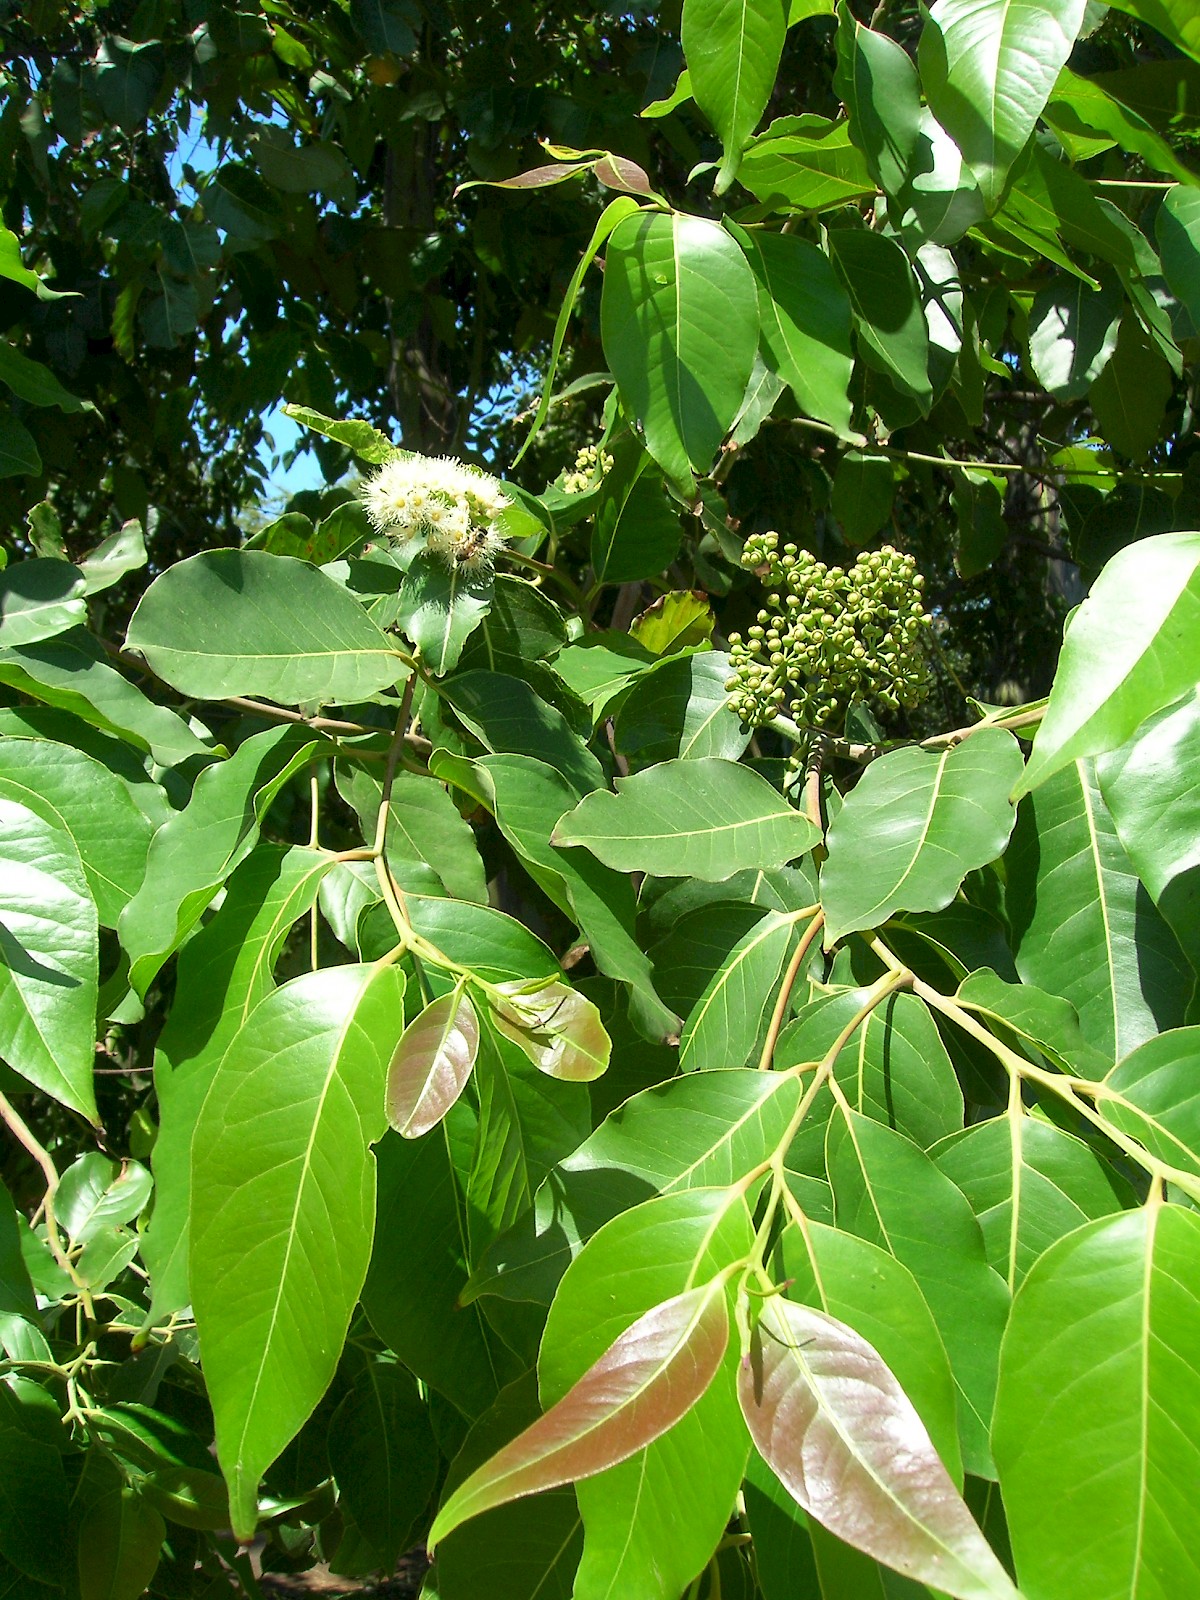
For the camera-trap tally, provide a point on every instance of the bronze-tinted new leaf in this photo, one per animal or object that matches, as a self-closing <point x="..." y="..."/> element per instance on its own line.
<point x="558" y="1030"/>
<point x="846" y="1442"/>
<point x="432" y="1064"/>
<point x="645" y="1381"/>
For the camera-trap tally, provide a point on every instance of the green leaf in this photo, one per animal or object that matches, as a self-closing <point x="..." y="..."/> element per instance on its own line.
<point x="805" y="316"/>
<point x="1174" y="19"/>
<point x="635" y="530"/>
<point x="877" y="83"/>
<point x="283" y="1196"/>
<point x="440" y="607"/>
<point x="521" y="627"/>
<point x="825" y="1414"/>
<point x="978" y="501"/>
<point x="366" y="442"/>
<point x="430" y="846"/>
<point x="70" y="790"/>
<point x="113" y="558"/>
<point x="724" y="1026"/>
<point x="120" y="1537"/>
<point x="14" y="269"/>
<point x="1149" y="788"/>
<point x="680" y="709"/>
<point x="1046" y="1021"/>
<point x="556" y="1027"/>
<point x="38" y="599"/>
<point x="917" y="822"/>
<point x="1081" y="107"/>
<point x="869" y="1290"/>
<point x="34" y="382"/>
<point x="601" y="666"/>
<point x="1029" y="1183"/>
<point x="783" y="1552"/>
<point x="49" y="958"/>
<point x="1130" y="396"/>
<point x="806" y="163"/>
<point x="988" y="67"/>
<point x="1177" y="229"/>
<point x="528" y="799"/>
<point x="18" y="452"/>
<point x="70" y="672"/>
<point x="891" y="1194"/>
<point x="192" y="855"/>
<point x="895" y="1068"/>
<point x="863" y="491"/>
<point x="505" y="714"/>
<point x="222" y="974"/>
<point x="650" y="1376"/>
<point x="892" y="334"/>
<point x="1110" y="1405"/>
<point x="680" y="329"/>
<point x="96" y="1193"/>
<point x="1072" y="334"/>
<point x="614" y="213"/>
<point x="703" y="819"/>
<point x="723" y="1125"/>
<point x="732" y="54"/>
<point x="421" y="1237"/>
<point x="16" y="1292"/>
<point x="432" y="1063"/>
<point x="384" y="1457"/>
<point x="1113" y="957"/>
<point x="1128" y="653"/>
<point x="652" y="1522"/>
<point x="1151" y="1094"/>
<point x="33" y="1491"/>
<point x="232" y="622"/>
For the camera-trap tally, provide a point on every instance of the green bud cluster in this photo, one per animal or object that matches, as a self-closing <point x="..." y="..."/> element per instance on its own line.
<point x="829" y="636"/>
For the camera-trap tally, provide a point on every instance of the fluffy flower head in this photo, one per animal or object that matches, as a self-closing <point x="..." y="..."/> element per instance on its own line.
<point x="450" y="507"/>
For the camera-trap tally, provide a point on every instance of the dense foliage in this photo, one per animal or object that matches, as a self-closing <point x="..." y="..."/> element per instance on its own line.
<point x="602" y="1029"/>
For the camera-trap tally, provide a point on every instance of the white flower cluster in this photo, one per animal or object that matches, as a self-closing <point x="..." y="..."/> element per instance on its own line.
<point x="449" y="506"/>
<point x="590" y="466"/>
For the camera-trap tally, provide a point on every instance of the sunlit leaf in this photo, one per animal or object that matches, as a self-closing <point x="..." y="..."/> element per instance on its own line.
<point x="432" y="1063"/>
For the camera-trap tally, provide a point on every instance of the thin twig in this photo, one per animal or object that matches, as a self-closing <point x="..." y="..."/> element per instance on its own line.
<point x="20" y="1131"/>
<point x="392" y="893"/>
<point x="785" y="990"/>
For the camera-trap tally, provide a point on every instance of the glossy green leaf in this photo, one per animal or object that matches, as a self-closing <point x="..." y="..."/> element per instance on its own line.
<point x="1046" y="1021"/>
<point x="192" y="855"/>
<point x="222" y="974"/>
<point x="95" y="1192"/>
<point x="680" y="330"/>
<point x="722" y="1029"/>
<point x="723" y="1125"/>
<point x="601" y="666"/>
<point x="71" y="791"/>
<point x="506" y="715"/>
<point x="878" y="85"/>
<point x="895" y="1068"/>
<point x="247" y="623"/>
<point x="704" y="819"/>
<point x="1174" y="19"/>
<point x="1072" y="335"/>
<point x="892" y="334"/>
<point x="432" y="1063"/>
<point x="38" y="599"/>
<point x="832" y="1422"/>
<point x="863" y="491"/>
<point x="1110" y="1404"/>
<point x="120" y="1537"/>
<point x="915" y="825"/>
<point x="635" y="531"/>
<point x="1152" y="1095"/>
<point x="33" y="1490"/>
<point x="384" y="1457"/>
<point x="890" y="1193"/>
<point x="651" y="1376"/>
<point x="1128" y="653"/>
<point x="440" y="608"/>
<point x="283" y="1195"/>
<point x="1080" y="107"/>
<point x="680" y="709"/>
<point x="783" y="1552"/>
<point x="988" y="67"/>
<point x="732" y="53"/>
<point x="863" y="1286"/>
<point x="421" y="1237"/>
<point x="367" y="443"/>
<point x="652" y="1522"/>
<point x="1149" y="787"/>
<point x="805" y="316"/>
<point x="558" y="1028"/>
<point x="70" y="672"/>
<point x="431" y="848"/>
<point x="114" y="558"/>
<point x="49" y="958"/>
<point x="1112" y="957"/>
<point x="807" y="163"/>
<point x="1029" y="1183"/>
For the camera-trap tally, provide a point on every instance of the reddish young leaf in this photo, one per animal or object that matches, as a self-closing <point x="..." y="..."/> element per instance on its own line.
<point x="844" y="1439"/>
<point x="432" y="1064"/>
<point x="645" y="1381"/>
<point x="618" y="172"/>
<point x="558" y="1030"/>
